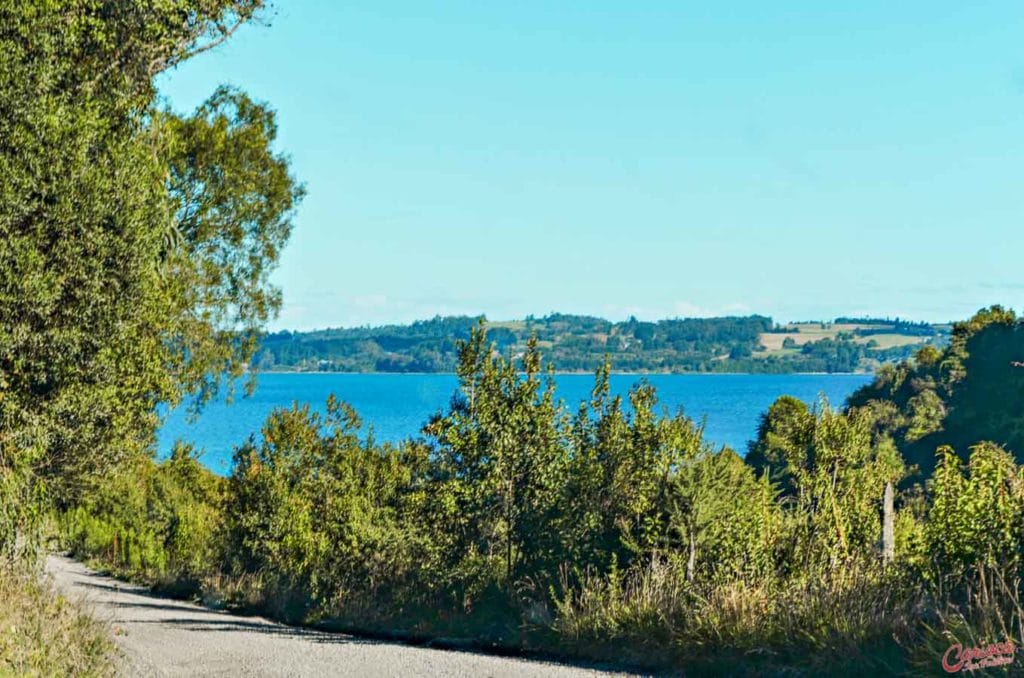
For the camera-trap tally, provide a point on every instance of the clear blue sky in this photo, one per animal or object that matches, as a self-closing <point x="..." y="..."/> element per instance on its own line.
<point x="660" y="159"/>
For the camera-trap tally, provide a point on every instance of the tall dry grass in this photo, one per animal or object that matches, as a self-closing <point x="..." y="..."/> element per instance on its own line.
<point x="42" y="633"/>
<point x="849" y="619"/>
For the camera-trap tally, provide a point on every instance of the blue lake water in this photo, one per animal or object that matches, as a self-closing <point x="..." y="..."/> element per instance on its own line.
<point x="397" y="405"/>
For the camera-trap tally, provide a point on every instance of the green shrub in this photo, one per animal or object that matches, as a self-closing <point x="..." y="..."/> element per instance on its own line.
<point x="157" y="522"/>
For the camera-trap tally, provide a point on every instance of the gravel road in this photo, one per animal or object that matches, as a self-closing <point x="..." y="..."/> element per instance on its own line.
<point x="162" y="637"/>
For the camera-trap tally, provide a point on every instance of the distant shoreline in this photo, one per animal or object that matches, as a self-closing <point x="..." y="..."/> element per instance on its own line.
<point x="558" y="373"/>
<point x="748" y="345"/>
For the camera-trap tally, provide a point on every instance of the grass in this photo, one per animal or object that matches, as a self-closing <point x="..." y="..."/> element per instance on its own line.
<point x="845" y="623"/>
<point x="803" y="333"/>
<point x="42" y="633"/>
<point x="514" y="325"/>
<point x="891" y="340"/>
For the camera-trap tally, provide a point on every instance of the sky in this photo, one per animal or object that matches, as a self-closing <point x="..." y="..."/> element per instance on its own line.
<point x="657" y="159"/>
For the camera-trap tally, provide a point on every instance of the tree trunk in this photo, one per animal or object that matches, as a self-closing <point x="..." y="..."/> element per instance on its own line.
<point x="888" y="526"/>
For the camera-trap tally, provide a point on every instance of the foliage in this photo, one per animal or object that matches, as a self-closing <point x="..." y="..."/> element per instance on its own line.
<point x="499" y="466"/>
<point x="136" y="242"/>
<point x="160" y="522"/>
<point x="233" y="200"/>
<point x="22" y="505"/>
<point x="44" y="634"/>
<point x="958" y="396"/>
<point x="318" y="515"/>
<point x="977" y="513"/>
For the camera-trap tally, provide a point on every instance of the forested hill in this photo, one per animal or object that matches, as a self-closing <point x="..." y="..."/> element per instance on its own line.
<point x="580" y="343"/>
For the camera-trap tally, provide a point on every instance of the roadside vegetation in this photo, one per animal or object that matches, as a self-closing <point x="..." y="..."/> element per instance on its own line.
<point x="611" y="532"/>
<point x="44" y="634"/>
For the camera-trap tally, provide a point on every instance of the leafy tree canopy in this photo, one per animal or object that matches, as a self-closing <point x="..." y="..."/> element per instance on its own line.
<point x="136" y="242"/>
<point x="970" y="391"/>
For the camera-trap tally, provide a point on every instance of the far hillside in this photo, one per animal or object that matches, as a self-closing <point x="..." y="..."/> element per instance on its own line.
<point x="575" y="343"/>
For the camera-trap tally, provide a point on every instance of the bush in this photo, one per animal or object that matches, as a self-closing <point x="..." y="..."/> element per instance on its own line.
<point x="156" y="522"/>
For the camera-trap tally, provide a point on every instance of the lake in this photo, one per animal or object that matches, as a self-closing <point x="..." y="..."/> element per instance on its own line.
<point x="397" y="405"/>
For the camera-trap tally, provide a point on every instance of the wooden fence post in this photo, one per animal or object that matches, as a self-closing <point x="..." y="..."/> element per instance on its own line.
<point x="888" y="526"/>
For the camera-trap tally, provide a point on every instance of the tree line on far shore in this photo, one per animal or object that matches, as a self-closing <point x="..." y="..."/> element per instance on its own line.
<point x="574" y="343"/>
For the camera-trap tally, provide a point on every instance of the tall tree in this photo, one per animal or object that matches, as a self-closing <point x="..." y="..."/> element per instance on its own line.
<point x="136" y="243"/>
<point x="501" y="459"/>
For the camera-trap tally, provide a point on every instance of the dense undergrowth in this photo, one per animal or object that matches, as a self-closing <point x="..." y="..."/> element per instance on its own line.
<point x="613" y="534"/>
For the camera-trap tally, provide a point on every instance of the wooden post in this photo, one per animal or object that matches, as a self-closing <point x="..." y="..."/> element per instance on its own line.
<point x="888" y="526"/>
<point x="691" y="560"/>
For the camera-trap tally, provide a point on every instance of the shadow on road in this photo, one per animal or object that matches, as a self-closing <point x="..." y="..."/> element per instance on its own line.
<point x="229" y="625"/>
